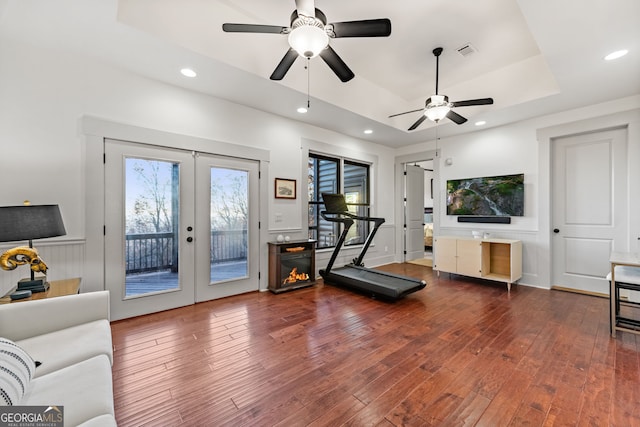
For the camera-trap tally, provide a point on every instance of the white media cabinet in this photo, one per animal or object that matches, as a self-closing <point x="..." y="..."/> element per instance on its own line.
<point x="491" y="259"/>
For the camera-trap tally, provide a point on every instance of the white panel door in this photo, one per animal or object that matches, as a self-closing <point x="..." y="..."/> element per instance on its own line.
<point x="589" y="208"/>
<point x="414" y="213"/>
<point x="227" y="242"/>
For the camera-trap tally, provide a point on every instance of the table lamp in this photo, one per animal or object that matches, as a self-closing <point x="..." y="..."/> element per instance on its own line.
<point x="28" y="222"/>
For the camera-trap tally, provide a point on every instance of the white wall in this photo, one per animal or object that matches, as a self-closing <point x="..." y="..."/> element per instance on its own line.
<point x="44" y="93"/>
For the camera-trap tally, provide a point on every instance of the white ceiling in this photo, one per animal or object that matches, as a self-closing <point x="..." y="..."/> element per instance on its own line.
<point x="533" y="57"/>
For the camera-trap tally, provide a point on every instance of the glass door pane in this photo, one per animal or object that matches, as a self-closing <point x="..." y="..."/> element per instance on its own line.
<point x="228" y="225"/>
<point x="152" y="207"/>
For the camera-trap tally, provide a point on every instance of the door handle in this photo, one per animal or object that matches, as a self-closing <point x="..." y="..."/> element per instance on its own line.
<point x="556" y="230"/>
<point x="189" y="239"/>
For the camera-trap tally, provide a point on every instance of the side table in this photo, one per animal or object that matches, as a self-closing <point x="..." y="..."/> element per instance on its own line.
<point x="57" y="288"/>
<point x="617" y="322"/>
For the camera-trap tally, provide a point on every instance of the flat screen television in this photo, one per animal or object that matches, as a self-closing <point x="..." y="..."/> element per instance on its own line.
<point x="486" y="196"/>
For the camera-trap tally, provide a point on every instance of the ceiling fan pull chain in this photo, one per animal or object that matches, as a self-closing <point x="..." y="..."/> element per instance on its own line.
<point x="308" y="83"/>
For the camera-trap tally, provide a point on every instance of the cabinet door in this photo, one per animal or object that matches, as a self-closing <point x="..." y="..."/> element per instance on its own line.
<point x="445" y="254"/>
<point x="469" y="258"/>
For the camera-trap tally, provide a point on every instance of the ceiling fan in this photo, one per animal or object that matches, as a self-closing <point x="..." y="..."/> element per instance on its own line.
<point x="309" y="36"/>
<point x="438" y="106"/>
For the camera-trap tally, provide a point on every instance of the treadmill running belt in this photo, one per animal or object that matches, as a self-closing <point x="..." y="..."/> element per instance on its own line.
<point x="374" y="282"/>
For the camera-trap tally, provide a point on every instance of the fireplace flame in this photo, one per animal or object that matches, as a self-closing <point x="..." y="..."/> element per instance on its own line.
<point x="294" y="276"/>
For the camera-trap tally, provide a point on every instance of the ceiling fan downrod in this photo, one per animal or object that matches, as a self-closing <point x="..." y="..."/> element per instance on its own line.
<point x="437" y="52"/>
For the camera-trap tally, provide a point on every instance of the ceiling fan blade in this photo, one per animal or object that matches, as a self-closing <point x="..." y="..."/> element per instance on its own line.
<point x="284" y="65"/>
<point x="252" y="28"/>
<point x="407" y="112"/>
<point x="469" y="102"/>
<point x="306" y="7"/>
<point x="455" y="117"/>
<point x="336" y="64"/>
<point x="365" y="28"/>
<point x="418" y="122"/>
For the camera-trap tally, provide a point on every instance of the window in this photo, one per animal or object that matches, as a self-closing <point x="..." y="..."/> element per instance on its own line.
<point x="337" y="175"/>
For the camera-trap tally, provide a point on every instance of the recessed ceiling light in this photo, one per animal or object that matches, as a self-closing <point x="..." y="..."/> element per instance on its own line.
<point x="302" y="110"/>
<point x="617" y="54"/>
<point x="188" y="72"/>
<point x="481" y="123"/>
<point x="368" y="131"/>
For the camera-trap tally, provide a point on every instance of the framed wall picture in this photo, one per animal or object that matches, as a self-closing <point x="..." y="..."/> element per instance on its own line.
<point x="285" y="188"/>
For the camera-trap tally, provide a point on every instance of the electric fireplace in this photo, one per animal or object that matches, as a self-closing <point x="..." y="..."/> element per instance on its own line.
<point x="292" y="265"/>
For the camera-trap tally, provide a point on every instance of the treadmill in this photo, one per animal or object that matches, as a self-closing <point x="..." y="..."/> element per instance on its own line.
<point x="354" y="276"/>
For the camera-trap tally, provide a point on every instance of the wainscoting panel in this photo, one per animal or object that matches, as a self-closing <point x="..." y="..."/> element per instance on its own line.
<point x="65" y="259"/>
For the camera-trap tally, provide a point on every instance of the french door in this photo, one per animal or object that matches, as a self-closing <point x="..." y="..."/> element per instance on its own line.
<point x="180" y="227"/>
<point x="227" y="216"/>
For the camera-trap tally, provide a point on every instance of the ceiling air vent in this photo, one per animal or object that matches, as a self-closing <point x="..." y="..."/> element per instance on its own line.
<point x="466" y="50"/>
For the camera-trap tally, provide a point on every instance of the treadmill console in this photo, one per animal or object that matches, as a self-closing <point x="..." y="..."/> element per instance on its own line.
<point x="334" y="203"/>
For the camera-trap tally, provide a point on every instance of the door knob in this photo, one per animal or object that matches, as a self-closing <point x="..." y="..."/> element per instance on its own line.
<point x="189" y="228"/>
<point x="556" y="230"/>
<point x="189" y="239"/>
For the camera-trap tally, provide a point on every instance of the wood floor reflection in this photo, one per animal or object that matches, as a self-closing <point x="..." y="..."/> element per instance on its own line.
<point x="459" y="352"/>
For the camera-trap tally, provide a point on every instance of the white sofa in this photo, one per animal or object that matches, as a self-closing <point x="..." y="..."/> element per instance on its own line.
<point x="71" y="337"/>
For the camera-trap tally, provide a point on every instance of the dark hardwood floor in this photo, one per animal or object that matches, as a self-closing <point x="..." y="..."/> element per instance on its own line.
<point x="459" y="352"/>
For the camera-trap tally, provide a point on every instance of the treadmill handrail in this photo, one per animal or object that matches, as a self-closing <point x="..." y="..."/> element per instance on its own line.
<point x="345" y="217"/>
<point x="348" y="222"/>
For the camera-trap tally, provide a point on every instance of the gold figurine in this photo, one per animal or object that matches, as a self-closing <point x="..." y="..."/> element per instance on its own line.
<point x="12" y="258"/>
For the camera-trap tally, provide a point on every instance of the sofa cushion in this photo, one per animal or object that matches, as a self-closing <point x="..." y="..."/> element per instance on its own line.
<point x="65" y="347"/>
<point x="38" y="317"/>
<point x="84" y="390"/>
<point x="16" y="371"/>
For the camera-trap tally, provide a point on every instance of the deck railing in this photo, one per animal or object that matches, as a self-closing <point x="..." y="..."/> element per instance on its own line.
<point x="147" y="252"/>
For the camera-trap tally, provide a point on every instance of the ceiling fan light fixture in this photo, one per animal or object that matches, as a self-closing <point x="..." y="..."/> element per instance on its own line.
<point x="308" y="36"/>
<point x="437" y="108"/>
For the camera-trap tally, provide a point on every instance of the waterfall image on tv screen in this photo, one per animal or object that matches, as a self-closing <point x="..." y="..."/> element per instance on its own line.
<point x="486" y="196"/>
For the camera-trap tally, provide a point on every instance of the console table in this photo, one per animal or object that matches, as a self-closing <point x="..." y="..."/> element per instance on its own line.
<point x="57" y="288"/>
<point x="491" y="259"/>
<point x="628" y="279"/>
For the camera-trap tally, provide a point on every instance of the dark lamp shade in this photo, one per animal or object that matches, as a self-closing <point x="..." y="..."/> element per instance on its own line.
<point x="30" y="222"/>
